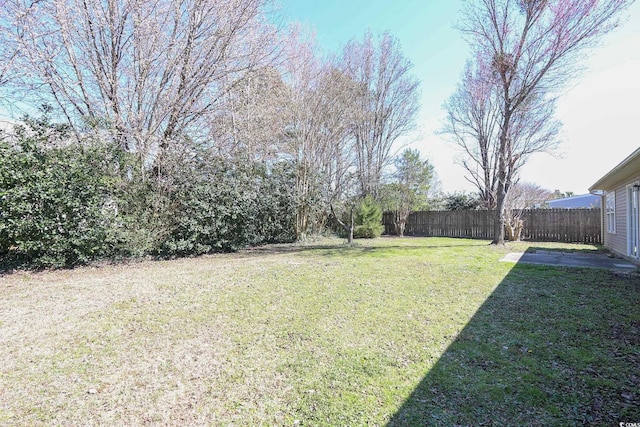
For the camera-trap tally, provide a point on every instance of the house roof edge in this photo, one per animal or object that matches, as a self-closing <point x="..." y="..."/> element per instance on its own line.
<point x="610" y="177"/>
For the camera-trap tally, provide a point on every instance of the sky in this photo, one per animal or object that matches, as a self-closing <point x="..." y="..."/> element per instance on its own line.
<point x="600" y="110"/>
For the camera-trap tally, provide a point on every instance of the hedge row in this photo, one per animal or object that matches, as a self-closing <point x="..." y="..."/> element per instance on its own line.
<point x="64" y="204"/>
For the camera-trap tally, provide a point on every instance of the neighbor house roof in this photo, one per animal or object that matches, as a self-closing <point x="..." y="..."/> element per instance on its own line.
<point x="628" y="168"/>
<point x="580" y="201"/>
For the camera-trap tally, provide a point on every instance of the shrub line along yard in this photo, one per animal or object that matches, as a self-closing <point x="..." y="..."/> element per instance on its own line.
<point x="412" y="331"/>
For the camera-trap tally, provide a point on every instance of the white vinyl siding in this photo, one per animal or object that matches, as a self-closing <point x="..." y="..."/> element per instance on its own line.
<point x="610" y="212"/>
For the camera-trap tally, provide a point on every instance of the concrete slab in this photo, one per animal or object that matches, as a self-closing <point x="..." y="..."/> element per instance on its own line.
<point x="569" y="259"/>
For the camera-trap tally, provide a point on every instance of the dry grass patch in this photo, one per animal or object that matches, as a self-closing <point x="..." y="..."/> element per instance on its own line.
<point x="144" y="343"/>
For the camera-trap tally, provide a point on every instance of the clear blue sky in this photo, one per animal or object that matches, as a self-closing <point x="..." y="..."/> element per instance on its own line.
<point x="424" y="28"/>
<point x="600" y="112"/>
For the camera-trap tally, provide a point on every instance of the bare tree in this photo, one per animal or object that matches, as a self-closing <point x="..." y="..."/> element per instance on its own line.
<point x="319" y="111"/>
<point x="12" y="34"/>
<point x="147" y="70"/>
<point x="529" y="49"/>
<point x="522" y="196"/>
<point x="474" y="120"/>
<point x="387" y="103"/>
<point x="8" y="49"/>
<point x="252" y="119"/>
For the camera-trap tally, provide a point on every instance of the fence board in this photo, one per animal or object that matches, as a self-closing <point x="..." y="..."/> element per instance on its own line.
<point x="556" y="225"/>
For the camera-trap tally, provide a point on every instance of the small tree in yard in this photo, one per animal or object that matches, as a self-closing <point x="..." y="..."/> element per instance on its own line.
<point x="399" y="200"/>
<point x="362" y="218"/>
<point x="368" y="219"/>
<point x="413" y="180"/>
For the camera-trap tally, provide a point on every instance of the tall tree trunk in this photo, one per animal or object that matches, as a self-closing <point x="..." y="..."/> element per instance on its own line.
<point x="498" y="228"/>
<point x="501" y="189"/>
<point x="351" y="227"/>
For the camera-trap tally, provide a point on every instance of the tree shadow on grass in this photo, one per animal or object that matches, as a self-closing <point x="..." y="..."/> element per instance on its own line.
<point x="550" y="346"/>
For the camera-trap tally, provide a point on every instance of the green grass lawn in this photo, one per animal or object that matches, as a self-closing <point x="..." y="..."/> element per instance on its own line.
<point x="412" y="331"/>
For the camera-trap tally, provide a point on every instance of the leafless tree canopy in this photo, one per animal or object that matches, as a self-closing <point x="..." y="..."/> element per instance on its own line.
<point x="387" y="103"/>
<point x="527" y="195"/>
<point x="12" y="34"/>
<point x="474" y="120"/>
<point x="525" y="53"/>
<point x="251" y="120"/>
<point x="148" y="70"/>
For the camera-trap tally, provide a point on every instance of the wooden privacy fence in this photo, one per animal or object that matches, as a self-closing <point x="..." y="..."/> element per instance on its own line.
<point x="551" y="225"/>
